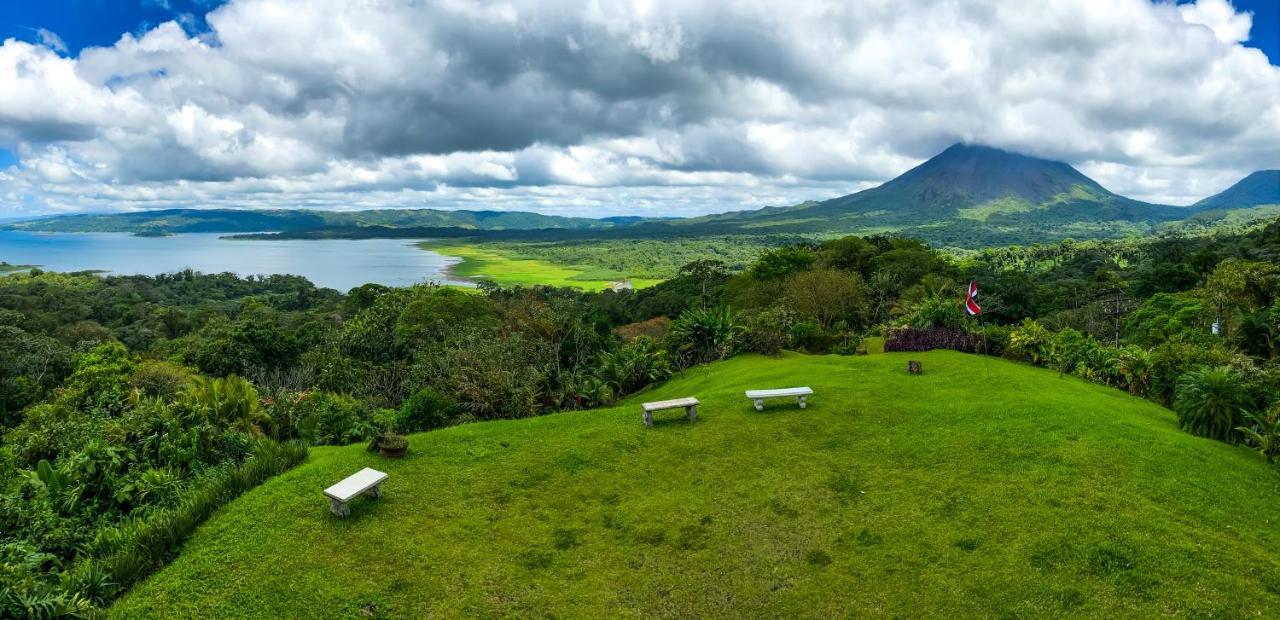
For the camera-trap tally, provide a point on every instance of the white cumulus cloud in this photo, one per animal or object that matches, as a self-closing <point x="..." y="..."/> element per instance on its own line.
<point x="627" y="106"/>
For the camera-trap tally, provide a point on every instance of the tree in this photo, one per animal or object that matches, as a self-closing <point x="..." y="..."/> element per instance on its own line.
<point x="1237" y="287"/>
<point x="827" y="296"/>
<point x="848" y="254"/>
<point x="782" y="262"/>
<point x="706" y="272"/>
<point x="1211" y="402"/>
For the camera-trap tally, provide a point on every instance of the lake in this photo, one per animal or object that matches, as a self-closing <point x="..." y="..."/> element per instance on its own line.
<point x="335" y="263"/>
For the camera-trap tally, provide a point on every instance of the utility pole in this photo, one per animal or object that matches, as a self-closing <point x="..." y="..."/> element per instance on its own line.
<point x="1116" y="304"/>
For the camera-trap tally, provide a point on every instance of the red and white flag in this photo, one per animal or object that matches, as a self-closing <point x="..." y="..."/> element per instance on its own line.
<point x="971" y="300"/>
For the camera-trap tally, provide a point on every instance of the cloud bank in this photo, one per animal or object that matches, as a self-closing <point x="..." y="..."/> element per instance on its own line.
<point x="645" y="106"/>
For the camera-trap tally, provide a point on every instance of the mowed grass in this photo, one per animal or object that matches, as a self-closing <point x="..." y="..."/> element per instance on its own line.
<point x="510" y="269"/>
<point x="981" y="489"/>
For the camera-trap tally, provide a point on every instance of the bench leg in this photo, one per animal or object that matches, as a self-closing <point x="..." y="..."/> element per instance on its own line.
<point x="759" y="404"/>
<point x="375" y="492"/>
<point x="339" y="508"/>
<point x="648" y="418"/>
<point x="692" y="411"/>
<point x="802" y="402"/>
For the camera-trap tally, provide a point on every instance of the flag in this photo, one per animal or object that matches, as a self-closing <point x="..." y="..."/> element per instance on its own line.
<point x="971" y="300"/>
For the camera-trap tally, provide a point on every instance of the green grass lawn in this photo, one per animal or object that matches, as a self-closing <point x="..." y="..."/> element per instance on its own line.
<point x="981" y="489"/>
<point x="510" y="269"/>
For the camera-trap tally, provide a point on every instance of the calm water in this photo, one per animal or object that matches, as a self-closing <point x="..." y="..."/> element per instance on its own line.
<point x="338" y="263"/>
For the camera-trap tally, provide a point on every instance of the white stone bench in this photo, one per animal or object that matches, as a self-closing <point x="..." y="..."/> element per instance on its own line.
<point x="364" y="482"/>
<point x="689" y="404"/>
<point x="759" y="395"/>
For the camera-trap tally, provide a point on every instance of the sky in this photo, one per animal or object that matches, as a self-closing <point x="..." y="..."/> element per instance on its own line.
<point x="601" y="107"/>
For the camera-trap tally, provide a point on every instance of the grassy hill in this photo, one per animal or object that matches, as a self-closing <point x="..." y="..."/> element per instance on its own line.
<point x="982" y="488"/>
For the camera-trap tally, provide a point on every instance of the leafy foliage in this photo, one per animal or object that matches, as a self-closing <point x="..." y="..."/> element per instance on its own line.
<point x="1211" y="403"/>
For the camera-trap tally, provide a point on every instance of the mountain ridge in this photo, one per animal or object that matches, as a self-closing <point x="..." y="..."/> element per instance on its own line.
<point x="968" y="195"/>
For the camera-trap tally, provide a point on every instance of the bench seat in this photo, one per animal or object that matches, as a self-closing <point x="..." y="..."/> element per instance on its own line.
<point x="367" y="481"/>
<point x="689" y="404"/>
<point x="759" y="395"/>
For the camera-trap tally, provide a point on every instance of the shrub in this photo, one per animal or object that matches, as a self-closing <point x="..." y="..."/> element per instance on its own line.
<point x="231" y="402"/>
<point x="700" y="336"/>
<point x="136" y="548"/>
<point x="1262" y="431"/>
<point x="1133" y="365"/>
<point x="332" y="419"/>
<point x="1030" y="342"/>
<point x="633" y="366"/>
<point x="495" y="377"/>
<point x="1075" y="353"/>
<point x="912" y="339"/>
<point x="392" y="441"/>
<point x="426" y="409"/>
<point x="162" y="379"/>
<point x="808" y="336"/>
<point x="767" y="332"/>
<point x="1211" y="402"/>
<point x="1171" y="360"/>
<point x="655" y="329"/>
<point x="939" y="312"/>
<point x="995" y="339"/>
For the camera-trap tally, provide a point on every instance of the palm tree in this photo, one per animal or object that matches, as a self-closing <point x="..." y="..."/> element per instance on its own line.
<point x="1211" y="402"/>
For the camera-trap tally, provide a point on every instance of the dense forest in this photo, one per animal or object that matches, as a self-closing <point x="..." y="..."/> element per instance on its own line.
<point x="132" y="407"/>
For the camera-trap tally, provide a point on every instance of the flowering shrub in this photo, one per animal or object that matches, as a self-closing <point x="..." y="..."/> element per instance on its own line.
<point x="912" y="339"/>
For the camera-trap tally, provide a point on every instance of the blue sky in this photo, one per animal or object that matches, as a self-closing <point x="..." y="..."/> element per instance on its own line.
<point x="85" y="23"/>
<point x="645" y="107"/>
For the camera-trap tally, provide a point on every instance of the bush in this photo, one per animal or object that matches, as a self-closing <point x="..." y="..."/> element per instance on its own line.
<point x="939" y="312"/>
<point x="1076" y="353"/>
<point x="165" y="380"/>
<point x="1262" y="431"/>
<point x="632" y="367"/>
<point x="1171" y="360"/>
<point x="699" y="336"/>
<point x="912" y="339"/>
<point x="1211" y="402"/>
<point x="995" y="339"/>
<point x="426" y="409"/>
<point x="1030" y="342"/>
<point x="767" y="332"/>
<point x="332" y="419"/>
<point x="136" y="548"/>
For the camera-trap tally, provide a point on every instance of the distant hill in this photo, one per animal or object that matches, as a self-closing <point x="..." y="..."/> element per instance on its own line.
<point x="969" y="195"/>
<point x="291" y="220"/>
<point x="1258" y="189"/>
